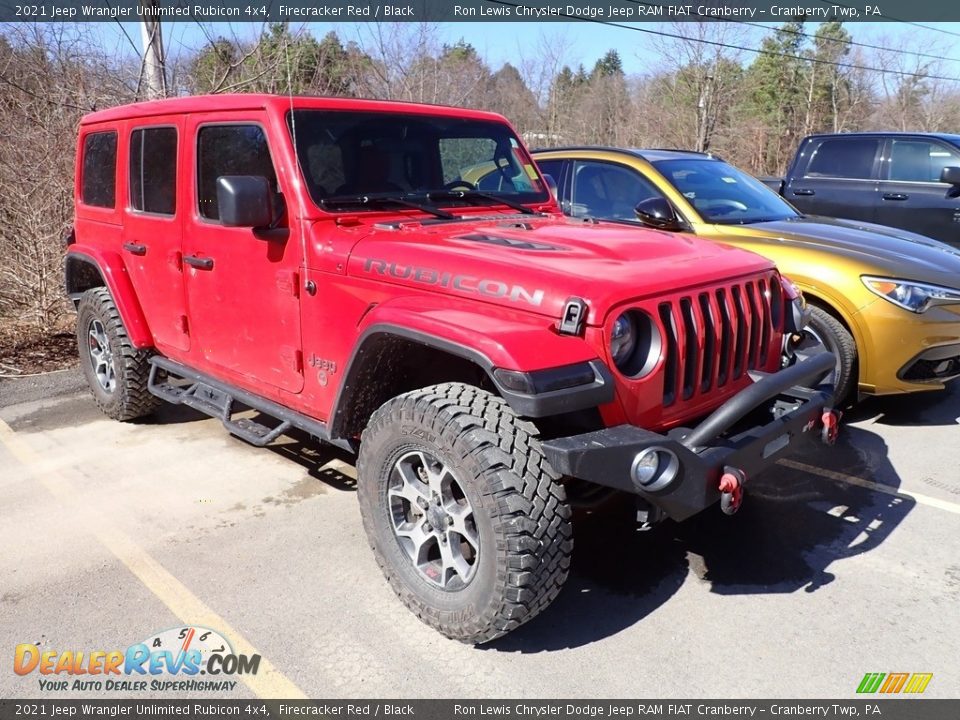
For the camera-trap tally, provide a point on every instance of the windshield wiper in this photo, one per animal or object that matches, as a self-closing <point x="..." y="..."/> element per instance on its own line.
<point x="476" y="194"/>
<point x="375" y="200"/>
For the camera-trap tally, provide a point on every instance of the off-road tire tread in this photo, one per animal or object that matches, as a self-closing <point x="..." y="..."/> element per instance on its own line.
<point x="133" y="399"/>
<point x="531" y="514"/>
<point x="847" y="347"/>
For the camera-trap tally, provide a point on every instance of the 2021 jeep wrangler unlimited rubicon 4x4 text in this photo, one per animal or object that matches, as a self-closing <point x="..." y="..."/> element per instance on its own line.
<point x="354" y="270"/>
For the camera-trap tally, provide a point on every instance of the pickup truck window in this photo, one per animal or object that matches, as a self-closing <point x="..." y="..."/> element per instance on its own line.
<point x="843" y="157"/>
<point x="344" y="154"/>
<point x="722" y="194"/>
<point x="919" y="160"/>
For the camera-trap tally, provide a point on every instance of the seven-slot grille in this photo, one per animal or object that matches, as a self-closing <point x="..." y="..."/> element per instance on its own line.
<point x="712" y="337"/>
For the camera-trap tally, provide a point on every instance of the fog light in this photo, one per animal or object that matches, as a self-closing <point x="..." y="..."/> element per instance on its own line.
<point x="645" y="466"/>
<point x="654" y="468"/>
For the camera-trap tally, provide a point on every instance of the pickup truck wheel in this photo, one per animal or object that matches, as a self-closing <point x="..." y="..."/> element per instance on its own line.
<point x="115" y="370"/>
<point x="825" y="331"/>
<point x="468" y="522"/>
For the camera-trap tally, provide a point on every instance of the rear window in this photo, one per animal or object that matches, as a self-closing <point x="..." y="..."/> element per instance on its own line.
<point x="849" y="157"/>
<point x="98" y="186"/>
<point x="153" y="170"/>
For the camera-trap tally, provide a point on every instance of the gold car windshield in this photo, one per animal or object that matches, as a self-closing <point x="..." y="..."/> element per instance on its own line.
<point x="724" y="195"/>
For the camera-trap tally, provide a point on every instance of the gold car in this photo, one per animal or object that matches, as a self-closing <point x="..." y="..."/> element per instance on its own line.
<point x="885" y="301"/>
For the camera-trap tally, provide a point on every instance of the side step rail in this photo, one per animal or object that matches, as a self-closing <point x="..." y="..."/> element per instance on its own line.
<point x="216" y="398"/>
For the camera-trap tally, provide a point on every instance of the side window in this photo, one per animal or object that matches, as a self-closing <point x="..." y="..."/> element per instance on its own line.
<point x="849" y="157"/>
<point x="919" y="160"/>
<point x="553" y="168"/>
<point x="98" y="184"/>
<point x="153" y="170"/>
<point x="603" y="190"/>
<point x="230" y="150"/>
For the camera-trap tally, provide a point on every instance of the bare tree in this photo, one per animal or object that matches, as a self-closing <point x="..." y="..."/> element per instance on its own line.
<point x="704" y="76"/>
<point x="50" y="74"/>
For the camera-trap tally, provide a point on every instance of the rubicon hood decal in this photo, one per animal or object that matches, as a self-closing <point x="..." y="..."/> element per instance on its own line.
<point x="537" y="269"/>
<point x="466" y="283"/>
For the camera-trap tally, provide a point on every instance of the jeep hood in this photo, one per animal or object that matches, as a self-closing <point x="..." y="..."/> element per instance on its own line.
<point x="536" y="264"/>
<point x="900" y="253"/>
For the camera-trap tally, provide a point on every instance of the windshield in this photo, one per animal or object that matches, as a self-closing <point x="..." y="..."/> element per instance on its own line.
<point x="722" y="194"/>
<point x="349" y="156"/>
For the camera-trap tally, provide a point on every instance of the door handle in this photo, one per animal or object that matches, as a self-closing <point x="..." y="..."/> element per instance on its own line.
<point x="200" y="263"/>
<point x="896" y="196"/>
<point x="804" y="191"/>
<point x="135" y="248"/>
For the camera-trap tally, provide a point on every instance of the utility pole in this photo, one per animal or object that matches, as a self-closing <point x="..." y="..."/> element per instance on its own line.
<point x="703" y="114"/>
<point x="153" y="69"/>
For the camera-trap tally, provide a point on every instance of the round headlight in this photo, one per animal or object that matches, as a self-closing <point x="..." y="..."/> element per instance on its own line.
<point x="623" y="339"/>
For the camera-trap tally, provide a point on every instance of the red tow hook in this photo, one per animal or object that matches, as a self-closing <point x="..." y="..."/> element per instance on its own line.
<point x="731" y="489"/>
<point x="831" y="426"/>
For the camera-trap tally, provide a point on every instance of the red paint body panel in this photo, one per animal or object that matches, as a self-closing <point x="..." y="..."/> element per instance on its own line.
<point x="252" y="320"/>
<point x="157" y="274"/>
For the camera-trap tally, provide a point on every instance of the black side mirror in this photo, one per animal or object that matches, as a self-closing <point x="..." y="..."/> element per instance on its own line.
<point x="656" y="212"/>
<point x="950" y="175"/>
<point x="551" y="185"/>
<point x="244" y="201"/>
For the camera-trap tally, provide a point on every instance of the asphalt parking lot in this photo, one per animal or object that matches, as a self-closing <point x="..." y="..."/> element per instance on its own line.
<point x="840" y="563"/>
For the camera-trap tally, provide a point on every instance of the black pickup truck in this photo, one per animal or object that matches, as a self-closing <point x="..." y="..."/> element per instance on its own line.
<point x="904" y="180"/>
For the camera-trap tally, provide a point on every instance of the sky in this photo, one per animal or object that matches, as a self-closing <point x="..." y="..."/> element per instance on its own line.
<point x="580" y="42"/>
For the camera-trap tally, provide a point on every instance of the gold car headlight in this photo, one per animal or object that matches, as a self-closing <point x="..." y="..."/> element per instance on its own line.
<point x="916" y="297"/>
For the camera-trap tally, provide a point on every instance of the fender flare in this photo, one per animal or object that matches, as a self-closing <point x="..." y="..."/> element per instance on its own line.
<point x="117" y="281"/>
<point x="548" y="390"/>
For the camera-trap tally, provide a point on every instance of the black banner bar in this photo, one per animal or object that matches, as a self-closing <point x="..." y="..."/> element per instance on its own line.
<point x="606" y="11"/>
<point x="899" y="709"/>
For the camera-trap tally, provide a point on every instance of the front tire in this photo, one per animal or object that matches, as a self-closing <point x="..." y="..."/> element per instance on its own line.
<point x="468" y="522"/>
<point x="827" y="332"/>
<point x="116" y="371"/>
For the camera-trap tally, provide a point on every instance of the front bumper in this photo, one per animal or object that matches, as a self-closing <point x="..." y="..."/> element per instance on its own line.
<point x="936" y="365"/>
<point x="902" y="352"/>
<point x="717" y="447"/>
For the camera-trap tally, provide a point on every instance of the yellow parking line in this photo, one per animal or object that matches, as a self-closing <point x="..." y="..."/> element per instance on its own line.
<point x="267" y="683"/>
<point x="900" y="492"/>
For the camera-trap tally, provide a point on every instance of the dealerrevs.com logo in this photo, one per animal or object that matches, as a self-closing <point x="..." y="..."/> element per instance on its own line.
<point x="170" y="660"/>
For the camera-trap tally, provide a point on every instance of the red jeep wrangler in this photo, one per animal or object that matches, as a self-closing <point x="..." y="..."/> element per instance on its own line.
<point x="354" y="269"/>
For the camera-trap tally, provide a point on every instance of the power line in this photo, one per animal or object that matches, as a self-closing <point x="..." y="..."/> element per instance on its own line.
<point x="905" y="22"/>
<point x="730" y="46"/>
<point x="819" y="37"/>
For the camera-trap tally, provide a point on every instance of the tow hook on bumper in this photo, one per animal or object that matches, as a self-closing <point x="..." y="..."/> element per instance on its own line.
<point x="831" y="426"/>
<point x="731" y="489"/>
